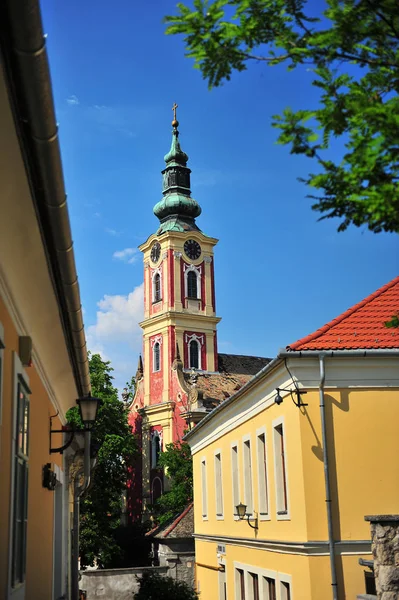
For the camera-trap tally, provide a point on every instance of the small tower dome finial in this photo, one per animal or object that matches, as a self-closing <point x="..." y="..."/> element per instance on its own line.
<point x="175" y="122"/>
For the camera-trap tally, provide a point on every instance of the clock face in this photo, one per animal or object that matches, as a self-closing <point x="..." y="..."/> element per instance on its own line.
<point x="192" y="249"/>
<point x="155" y="252"/>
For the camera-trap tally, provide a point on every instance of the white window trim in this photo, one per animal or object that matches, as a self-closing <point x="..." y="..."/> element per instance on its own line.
<point x="285" y="578"/>
<point x="2" y="346"/>
<point x="204" y="488"/>
<point x="156" y="272"/>
<point x="235" y="445"/>
<point x="276" y="423"/>
<point x="156" y="340"/>
<point x="17" y="593"/>
<point x="220" y="516"/>
<point x="247" y="438"/>
<point x="261" y="573"/>
<point x="194" y="338"/>
<point x="263" y="516"/>
<point x="197" y="271"/>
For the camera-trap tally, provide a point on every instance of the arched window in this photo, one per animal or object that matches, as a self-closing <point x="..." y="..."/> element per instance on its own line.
<point x="156" y="357"/>
<point x="156" y="283"/>
<point x="156" y="448"/>
<point x="192" y="285"/>
<point x="194" y="354"/>
<point x="156" y="489"/>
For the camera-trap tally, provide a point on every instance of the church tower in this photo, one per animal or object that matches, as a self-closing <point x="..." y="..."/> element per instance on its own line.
<point x="179" y="326"/>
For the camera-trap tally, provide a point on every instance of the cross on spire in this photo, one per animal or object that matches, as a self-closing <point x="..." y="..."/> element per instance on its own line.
<point x="174" y="110"/>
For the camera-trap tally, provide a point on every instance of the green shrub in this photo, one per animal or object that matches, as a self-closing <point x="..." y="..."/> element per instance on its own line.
<point x="155" y="587"/>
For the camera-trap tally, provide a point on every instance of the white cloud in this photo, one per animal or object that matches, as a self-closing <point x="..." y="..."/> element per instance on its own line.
<point x="116" y="334"/>
<point x="73" y="100"/>
<point x="128" y="255"/>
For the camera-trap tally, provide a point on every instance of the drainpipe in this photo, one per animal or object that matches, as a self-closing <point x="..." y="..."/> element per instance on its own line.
<point x="327" y="478"/>
<point x="77" y="493"/>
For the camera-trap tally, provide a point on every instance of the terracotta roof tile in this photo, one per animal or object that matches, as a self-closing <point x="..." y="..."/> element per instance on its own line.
<point x="360" y="327"/>
<point x="234" y="371"/>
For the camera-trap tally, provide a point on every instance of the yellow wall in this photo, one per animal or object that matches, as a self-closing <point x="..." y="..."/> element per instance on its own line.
<point x="362" y="436"/>
<point x="39" y="564"/>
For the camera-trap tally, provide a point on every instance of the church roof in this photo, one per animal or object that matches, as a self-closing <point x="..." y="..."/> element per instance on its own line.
<point x="234" y="371"/>
<point x="360" y="327"/>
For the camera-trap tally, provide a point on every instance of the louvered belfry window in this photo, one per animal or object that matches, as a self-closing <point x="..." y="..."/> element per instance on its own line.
<point x="192" y="285"/>
<point x="194" y="354"/>
<point x="157" y="287"/>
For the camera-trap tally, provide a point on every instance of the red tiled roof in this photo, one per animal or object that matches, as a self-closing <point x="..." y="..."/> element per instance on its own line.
<point x="360" y="327"/>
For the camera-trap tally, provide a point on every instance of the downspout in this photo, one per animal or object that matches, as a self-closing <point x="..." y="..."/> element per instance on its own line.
<point x="77" y="493"/>
<point x="327" y="478"/>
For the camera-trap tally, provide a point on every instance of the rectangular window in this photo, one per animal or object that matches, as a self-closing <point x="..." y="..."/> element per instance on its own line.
<point x="247" y="476"/>
<point x="240" y="584"/>
<point x="218" y="485"/>
<point x="270" y="587"/>
<point x="254" y="586"/>
<point x="285" y="591"/>
<point x="20" y="497"/>
<point x="235" y="478"/>
<point x="280" y="466"/>
<point x="204" y="490"/>
<point x="262" y="474"/>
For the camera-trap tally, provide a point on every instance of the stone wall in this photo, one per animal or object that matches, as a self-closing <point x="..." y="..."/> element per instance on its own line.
<point x="385" y="548"/>
<point x="114" y="584"/>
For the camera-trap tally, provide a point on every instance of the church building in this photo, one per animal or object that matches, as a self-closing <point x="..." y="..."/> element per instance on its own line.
<point x="180" y="376"/>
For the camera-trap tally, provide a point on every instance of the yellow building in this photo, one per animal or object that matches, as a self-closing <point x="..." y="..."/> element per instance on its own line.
<point x="308" y="468"/>
<point x="43" y="361"/>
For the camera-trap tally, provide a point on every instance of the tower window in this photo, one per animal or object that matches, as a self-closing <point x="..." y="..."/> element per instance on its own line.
<point x="157" y="357"/>
<point x="194" y="354"/>
<point x="156" y="283"/>
<point x="192" y="285"/>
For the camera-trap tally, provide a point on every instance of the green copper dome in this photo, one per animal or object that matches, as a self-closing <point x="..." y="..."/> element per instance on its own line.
<point x="176" y="210"/>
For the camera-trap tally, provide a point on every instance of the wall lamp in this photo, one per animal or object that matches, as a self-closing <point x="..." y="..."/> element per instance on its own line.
<point x="297" y="392"/>
<point x="88" y="407"/>
<point x="242" y="513"/>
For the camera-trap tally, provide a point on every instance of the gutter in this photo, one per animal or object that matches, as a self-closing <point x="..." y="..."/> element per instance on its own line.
<point x="27" y="72"/>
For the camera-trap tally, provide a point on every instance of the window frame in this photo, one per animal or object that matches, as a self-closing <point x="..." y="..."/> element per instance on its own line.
<point x="155" y="297"/>
<point x="263" y="476"/>
<point x="193" y="276"/>
<point x="204" y="489"/>
<point x="157" y="345"/>
<point x="20" y="378"/>
<point x="197" y="272"/>
<point x="262" y="574"/>
<point x="235" y="479"/>
<point x="281" y="470"/>
<point x="199" y="348"/>
<point x="218" y="473"/>
<point x="248" y="474"/>
<point x="285" y="580"/>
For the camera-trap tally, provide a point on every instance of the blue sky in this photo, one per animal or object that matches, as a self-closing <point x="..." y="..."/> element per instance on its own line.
<point x="280" y="274"/>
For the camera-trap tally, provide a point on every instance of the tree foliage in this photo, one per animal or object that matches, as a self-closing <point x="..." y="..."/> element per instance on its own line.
<point x="101" y="505"/>
<point x="352" y="49"/>
<point x="178" y="464"/>
<point x="155" y="587"/>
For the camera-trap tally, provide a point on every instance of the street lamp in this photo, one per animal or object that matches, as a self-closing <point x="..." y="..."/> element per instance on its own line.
<point x="242" y="513"/>
<point x="88" y="408"/>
